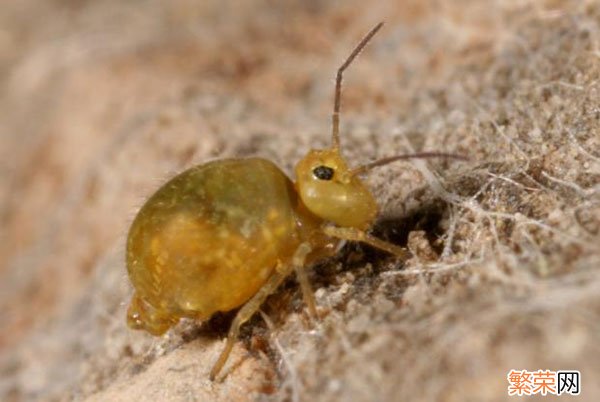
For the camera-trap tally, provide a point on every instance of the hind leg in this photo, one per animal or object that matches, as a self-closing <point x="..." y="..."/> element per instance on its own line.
<point x="252" y="305"/>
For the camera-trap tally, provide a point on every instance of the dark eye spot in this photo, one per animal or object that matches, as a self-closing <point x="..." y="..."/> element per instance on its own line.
<point x="323" y="172"/>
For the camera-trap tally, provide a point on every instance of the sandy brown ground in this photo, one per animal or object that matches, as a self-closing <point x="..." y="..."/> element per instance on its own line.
<point x="103" y="100"/>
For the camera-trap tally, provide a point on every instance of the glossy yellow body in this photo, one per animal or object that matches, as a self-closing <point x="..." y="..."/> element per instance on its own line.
<point x="209" y="239"/>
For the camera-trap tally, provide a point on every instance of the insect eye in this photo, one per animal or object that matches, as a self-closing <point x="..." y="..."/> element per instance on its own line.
<point x="323" y="172"/>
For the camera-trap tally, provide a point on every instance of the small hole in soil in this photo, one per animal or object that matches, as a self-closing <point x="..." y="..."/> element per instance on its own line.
<point x="427" y="218"/>
<point x="396" y="230"/>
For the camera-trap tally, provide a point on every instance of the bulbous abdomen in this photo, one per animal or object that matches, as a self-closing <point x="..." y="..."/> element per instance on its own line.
<point x="209" y="238"/>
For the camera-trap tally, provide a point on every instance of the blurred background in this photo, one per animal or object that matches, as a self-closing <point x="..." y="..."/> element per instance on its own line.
<point x="103" y="100"/>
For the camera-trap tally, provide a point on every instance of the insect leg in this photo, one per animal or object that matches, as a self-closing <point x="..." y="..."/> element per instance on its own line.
<point x="252" y="305"/>
<point x="354" y="234"/>
<point x="307" y="292"/>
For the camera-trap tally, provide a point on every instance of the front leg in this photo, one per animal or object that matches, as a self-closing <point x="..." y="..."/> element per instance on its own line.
<point x="354" y="234"/>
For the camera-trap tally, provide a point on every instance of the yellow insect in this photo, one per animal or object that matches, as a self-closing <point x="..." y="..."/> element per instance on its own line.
<point x="227" y="233"/>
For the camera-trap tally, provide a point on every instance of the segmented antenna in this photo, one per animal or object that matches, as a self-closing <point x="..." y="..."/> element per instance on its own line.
<point x="335" y="117"/>
<point x="418" y="155"/>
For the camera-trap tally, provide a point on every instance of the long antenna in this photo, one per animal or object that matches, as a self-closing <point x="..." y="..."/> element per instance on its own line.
<point x="335" y="117"/>
<point x="419" y="155"/>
